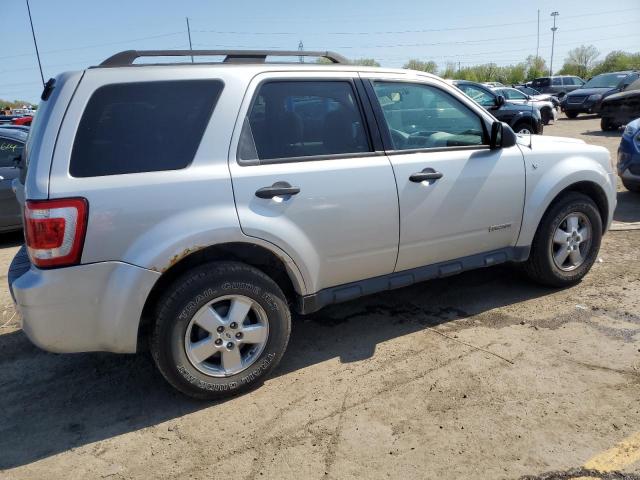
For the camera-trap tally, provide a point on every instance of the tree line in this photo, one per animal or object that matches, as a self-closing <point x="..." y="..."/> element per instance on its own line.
<point x="581" y="61"/>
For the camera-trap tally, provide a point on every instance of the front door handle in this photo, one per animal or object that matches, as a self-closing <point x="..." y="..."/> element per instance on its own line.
<point x="278" y="189"/>
<point x="426" y="175"/>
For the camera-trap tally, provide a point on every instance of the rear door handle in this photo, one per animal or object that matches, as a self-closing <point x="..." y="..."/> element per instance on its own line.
<point x="425" y="175"/>
<point x="278" y="189"/>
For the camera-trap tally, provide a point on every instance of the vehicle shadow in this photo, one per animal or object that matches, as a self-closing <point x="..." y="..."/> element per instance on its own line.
<point x="52" y="403"/>
<point x="600" y="133"/>
<point x="628" y="208"/>
<point x="564" y="118"/>
<point x="12" y="239"/>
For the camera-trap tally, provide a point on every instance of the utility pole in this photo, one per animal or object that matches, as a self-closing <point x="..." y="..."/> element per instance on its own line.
<point x="538" y="42"/>
<point x="35" y="43"/>
<point x="553" y="40"/>
<point x="189" y="34"/>
<point x="300" y="49"/>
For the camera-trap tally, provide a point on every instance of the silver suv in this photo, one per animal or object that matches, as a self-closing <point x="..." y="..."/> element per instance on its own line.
<point x="194" y="205"/>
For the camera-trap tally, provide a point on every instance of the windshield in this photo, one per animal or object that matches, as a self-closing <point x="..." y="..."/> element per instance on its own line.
<point x="606" y="80"/>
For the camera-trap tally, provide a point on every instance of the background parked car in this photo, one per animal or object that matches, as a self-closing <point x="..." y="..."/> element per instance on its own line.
<point x="546" y="107"/>
<point x="26" y="120"/>
<point x="629" y="157"/>
<point x="12" y="142"/>
<point x="558" y="85"/>
<point x="521" y="118"/>
<point x="620" y="108"/>
<point x="587" y="99"/>
<point x="532" y="92"/>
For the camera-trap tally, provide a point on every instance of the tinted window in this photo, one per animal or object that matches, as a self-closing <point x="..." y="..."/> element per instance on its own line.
<point x="142" y="127"/>
<point x="421" y="116"/>
<point x="573" y="81"/>
<point x="10" y="150"/>
<point x="541" y="82"/>
<point x="556" y="81"/>
<point x="481" y="96"/>
<point x="291" y="119"/>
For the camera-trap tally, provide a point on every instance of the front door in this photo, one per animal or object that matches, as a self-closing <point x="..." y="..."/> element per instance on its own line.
<point x="457" y="197"/>
<point x="307" y="179"/>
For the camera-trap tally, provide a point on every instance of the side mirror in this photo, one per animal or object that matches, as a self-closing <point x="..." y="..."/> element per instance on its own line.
<point x="499" y="101"/>
<point x="501" y="136"/>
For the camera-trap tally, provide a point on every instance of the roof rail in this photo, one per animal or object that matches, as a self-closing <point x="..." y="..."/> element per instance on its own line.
<point x="127" y="57"/>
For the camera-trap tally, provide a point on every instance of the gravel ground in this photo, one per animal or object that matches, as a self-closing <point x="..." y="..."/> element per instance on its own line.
<point x="482" y="375"/>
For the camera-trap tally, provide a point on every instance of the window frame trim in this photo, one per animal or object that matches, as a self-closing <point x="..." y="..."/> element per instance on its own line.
<point x="360" y="103"/>
<point x="384" y="129"/>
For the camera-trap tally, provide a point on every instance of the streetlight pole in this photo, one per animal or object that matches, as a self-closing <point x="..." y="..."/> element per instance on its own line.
<point x="35" y="43"/>
<point x="553" y="40"/>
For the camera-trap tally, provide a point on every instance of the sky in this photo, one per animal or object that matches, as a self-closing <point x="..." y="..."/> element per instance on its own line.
<point x="75" y="34"/>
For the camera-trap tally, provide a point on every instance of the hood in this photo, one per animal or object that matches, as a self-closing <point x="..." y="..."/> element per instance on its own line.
<point x="545" y="140"/>
<point x="588" y="91"/>
<point x="622" y="95"/>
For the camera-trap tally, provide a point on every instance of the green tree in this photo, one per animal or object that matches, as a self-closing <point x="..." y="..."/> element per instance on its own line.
<point x="429" y="67"/>
<point x="580" y="61"/>
<point x="450" y="70"/>
<point x="618" y="60"/>
<point x="536" y="67"/>
<point x="365" y="62"/>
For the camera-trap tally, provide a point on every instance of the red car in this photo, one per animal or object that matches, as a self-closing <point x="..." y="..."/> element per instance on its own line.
<point x="22" y="120"/>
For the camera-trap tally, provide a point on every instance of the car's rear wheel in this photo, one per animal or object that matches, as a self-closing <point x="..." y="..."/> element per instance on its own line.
<point x="571" y="114"/>
<point x="547" y="115"/>
<point x="220" y="331"/>
<point x="566" y="243"/>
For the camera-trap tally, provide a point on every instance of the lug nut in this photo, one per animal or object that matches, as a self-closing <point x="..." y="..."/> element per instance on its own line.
<point x="233" y="325"/>
<point x="220" y="329"/>
<point x="230" y="345"/>
<point x="239" y="335"/>
<point x="218" y="342"/>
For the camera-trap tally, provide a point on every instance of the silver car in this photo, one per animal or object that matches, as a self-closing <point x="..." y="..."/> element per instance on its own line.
<point x="282" y="186"/>
<point x="548" y="111"/>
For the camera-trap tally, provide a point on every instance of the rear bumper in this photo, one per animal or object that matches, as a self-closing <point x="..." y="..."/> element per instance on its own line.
<point x="95" y="307"/>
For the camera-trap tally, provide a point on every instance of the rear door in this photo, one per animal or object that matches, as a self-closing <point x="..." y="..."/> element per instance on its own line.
<point x="307" y="177"/>
<point x="10" y="150"/>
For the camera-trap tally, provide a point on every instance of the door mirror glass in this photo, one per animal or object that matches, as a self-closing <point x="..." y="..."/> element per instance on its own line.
<point x="496" y="135"/>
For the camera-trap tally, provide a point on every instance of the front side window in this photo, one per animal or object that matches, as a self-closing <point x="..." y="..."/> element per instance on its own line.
<point x="556" y="81"/>
<point x="422" y="116"/>
<point x="292" y="119"/>
<point x="512" y="94"/>
<point x="10" y="151"/>
<point x="142" y="127"/>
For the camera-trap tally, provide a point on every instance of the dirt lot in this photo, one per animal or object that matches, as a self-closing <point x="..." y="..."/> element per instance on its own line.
<point x="482" y="375"/>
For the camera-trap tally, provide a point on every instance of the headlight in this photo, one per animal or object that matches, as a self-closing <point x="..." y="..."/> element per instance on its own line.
<point x="595" y="97"/>
<point x="628" y="131"/>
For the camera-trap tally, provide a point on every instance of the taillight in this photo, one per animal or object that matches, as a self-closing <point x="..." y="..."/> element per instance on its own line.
<point x="54" y="231"/>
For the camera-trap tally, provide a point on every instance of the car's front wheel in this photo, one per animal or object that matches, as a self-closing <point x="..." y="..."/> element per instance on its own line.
<point x="571" y="114"/>
<point x="220" y="330"/>
<point x="631" y="186"/>
<point x="607" y="124"/>
<point x="566" y="243"/>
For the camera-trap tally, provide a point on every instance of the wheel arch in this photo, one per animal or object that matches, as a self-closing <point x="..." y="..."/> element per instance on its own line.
<point x="258" y="256"/>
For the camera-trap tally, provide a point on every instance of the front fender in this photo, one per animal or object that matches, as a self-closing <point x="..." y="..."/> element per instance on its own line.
<point x="545" y="184"/>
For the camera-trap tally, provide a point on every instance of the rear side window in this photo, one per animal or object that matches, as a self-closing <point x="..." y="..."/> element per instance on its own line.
<point x="142" y="127"/>
<point x="542" y="82"/>
<point x="292" y="119"/>
<point x="557" y="81"/>
<point x="10" y="151"/>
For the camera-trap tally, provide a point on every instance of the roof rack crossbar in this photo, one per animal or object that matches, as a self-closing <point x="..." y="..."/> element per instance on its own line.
<point x="127" y="57"/>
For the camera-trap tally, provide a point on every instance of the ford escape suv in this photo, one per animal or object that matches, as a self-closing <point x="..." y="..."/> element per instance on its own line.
<point x="283" y="187"/>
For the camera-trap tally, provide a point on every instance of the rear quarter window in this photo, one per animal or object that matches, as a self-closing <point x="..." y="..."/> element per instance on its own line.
<point x="142" y="127"/>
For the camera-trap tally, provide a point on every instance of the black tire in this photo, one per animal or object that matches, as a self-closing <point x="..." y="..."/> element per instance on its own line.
<point x="570" y="114"/>
<point x="547" y="116"/>
<point x="540" y="266"/>
<point x="186" y="296"/>
<point x="632" y="187"/>
<point x="607" y="124"/>
<point x="524" y="124"/>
